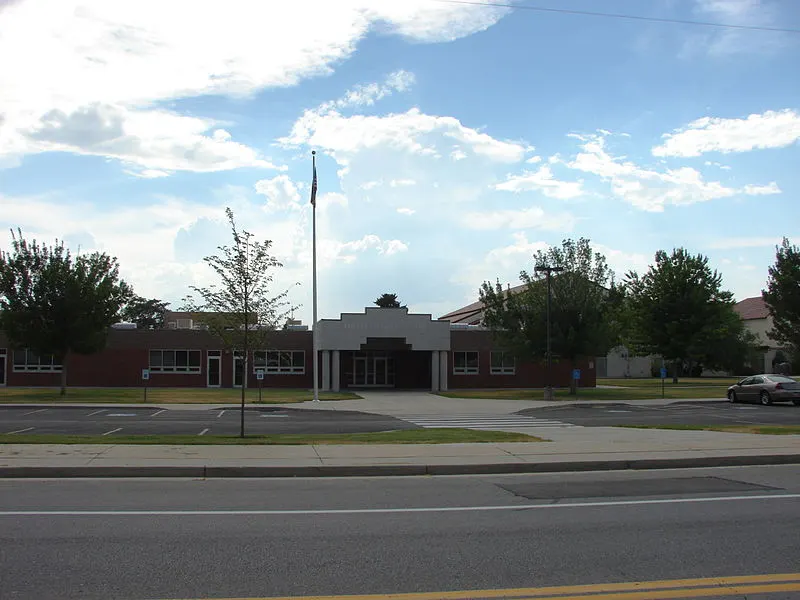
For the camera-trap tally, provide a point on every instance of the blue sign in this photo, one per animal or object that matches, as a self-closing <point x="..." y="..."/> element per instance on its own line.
<point x="576" y="374"/>
<point x="663" y="372"/>
<point x="145" y="374"/>
<point x="260" y="374"/>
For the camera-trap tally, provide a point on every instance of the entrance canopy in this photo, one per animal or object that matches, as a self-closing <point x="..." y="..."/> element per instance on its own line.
<point x="384" y="329"/>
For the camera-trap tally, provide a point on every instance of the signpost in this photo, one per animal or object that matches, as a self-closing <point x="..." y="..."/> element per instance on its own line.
<point x="576" y="376"/>
<point x="663" y="378"/>
<point x="260" y="378"/>
<point x="145" y="379"/>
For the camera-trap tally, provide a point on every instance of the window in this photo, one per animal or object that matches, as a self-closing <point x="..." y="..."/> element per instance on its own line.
<point x="465" y="363"/>
<point x="280" y="362"/>
<point x="175" y="361"/>
<point x="503" y="363"/>
<point x="29" y="361"/>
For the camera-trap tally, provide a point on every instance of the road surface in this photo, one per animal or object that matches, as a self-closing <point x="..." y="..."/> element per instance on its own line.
<point x="303" y="537"/>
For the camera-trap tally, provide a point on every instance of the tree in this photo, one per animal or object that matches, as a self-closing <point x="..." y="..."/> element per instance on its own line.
<point x="241" y="311"/>
<point x="147" y="314"/>
<point x="55" y="304"/>
<point x="782" y="297"/>
<point x="582" y="314"/>
<point x="388" y="301"/>
<point x="678" y="310"/>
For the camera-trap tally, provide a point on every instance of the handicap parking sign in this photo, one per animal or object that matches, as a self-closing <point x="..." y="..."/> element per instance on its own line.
<point x="663" y="372"/>
<point x="576" y="374"/>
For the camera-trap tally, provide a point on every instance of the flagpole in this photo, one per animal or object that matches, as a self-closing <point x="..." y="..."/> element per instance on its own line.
<point x="314" y="273"/>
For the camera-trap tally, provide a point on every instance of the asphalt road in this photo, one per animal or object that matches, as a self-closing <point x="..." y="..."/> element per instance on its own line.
<point x="153" y="421"/>
<point x="679" y="413"/>
<point x="217" y="538"/>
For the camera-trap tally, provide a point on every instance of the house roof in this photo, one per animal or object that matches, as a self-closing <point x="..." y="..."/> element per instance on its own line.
<point x="472" y="314"/>
<point x="752" y="308"/>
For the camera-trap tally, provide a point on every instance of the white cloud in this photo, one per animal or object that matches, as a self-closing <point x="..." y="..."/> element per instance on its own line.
<point x="527" y="218"/>
<point x="281" y="192"/>
<point x="412" y="132"/>
<point x="368" y="185"/>
<point x="150" y="143"/>
<point x="724" y="42"/>
<point x="347" y="251"/>
<point x="458" y="155"/>
<point x="406" y="211"/>
<point x="771" y="129"/>
<point x="762" y="190"/>
<point x="542" y="181"/>
<point x="652" y="190"/>
<point x="401" y="182"/>
<point x="369" y="94"/>
<point x="503" y="263"/>
<point x="534" y="160"/>
<point x="73" y="56"/>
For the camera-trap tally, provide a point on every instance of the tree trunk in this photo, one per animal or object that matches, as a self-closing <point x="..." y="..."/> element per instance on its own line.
<point x="675" y="368"/>
<point x="63" y="391"/>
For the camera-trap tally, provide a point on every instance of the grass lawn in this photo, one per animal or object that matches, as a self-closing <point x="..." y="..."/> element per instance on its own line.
<point x="763" y="429"/>
<point x="642" y="392"/>
<point x="683" y="382"/>
<point x="407" y="436"/>
<point x="166" y="395"/>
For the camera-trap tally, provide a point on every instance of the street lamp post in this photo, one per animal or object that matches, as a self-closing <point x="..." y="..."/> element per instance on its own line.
<point x="548" y="390"/>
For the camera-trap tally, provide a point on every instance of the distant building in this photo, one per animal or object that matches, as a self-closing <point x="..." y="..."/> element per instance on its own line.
<point x="755" y="314"/>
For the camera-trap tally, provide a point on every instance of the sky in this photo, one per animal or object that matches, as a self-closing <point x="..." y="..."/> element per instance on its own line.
<point x="453" y="140"/>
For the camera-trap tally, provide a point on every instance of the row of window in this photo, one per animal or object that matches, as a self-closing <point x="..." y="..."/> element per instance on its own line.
<point x="467" y="363"/>
<point x="270" y="361"/>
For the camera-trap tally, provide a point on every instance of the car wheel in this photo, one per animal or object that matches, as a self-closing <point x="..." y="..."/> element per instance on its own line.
<point x="796" y="402"/>
<point x="732" y="397"/>
<point x="765" y="399"/>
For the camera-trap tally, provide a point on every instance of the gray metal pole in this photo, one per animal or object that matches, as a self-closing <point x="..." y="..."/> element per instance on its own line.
<point x="314" y="283"/>
<point x="549" y="389"/>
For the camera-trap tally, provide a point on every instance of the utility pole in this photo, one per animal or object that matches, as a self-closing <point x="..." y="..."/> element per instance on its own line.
<point x="548" y="270"/>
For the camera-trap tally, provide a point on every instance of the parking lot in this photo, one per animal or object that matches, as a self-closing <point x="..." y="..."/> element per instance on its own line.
<point x="155" y="421"/>
<point x="678" y="413"/>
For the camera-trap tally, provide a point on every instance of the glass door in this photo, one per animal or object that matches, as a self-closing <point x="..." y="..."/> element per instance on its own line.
<point x="238" y="369"/>
<point x="359" y="370"/>
<point x="2" y="367"/>
<point x="379" y="371"/>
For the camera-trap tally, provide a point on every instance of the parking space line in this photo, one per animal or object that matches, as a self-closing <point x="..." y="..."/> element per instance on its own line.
<point x="97" y="412"/>
<point x="203" y="432"/>
<point x="113" y="431"/>
<point x="155" y="414"/>
<point x="222" y="412"/>
<point x="20" y="430"/>
<point x="34" y="411"/>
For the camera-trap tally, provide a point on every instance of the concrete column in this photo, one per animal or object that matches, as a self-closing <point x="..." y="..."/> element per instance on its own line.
<point x="443" y="370"/>
<point x="336" y="371"/>
<point x="326" y="370"/>
<point x="435" y="370"/>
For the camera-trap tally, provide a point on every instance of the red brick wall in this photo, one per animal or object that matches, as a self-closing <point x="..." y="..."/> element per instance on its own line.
<point x="528" y="374"/>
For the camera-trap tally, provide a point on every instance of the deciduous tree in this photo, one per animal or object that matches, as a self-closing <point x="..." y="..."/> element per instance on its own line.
<point x="55" y="304"/>
<point x="388" y="301"/>
<point x="146" y="313"/>
<point x="782" y="297"/>
<point x="582" y="314"/>
<point x="241" y="310"/>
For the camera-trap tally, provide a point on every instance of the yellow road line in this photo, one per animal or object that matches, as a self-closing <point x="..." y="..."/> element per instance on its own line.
<point x="636" y="590"/>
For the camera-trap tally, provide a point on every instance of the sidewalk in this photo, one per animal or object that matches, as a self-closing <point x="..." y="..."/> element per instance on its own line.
<point x="571" y="449"/>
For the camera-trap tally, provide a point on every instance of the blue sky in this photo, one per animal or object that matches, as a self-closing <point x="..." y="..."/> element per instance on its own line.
<point x="454" y="140"/>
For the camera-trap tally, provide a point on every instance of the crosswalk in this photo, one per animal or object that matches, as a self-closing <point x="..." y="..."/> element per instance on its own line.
<point x="483" y="422"/>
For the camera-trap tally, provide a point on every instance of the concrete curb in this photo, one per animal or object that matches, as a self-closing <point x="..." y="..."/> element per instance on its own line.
<point x="206" y="472"/>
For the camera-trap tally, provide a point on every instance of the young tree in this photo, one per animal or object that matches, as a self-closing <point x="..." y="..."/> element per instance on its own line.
<point x="782" y="297"/>
<point x="584" y="304"/>
<point x="55" y="304"/>
<point x="147" y="314"/>
<point x="241" y="310"/>
<point x="678" y="310"/>
<point x="388" y="301"/>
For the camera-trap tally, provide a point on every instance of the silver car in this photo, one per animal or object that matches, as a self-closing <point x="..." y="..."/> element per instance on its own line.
<point x="766" y="389"/>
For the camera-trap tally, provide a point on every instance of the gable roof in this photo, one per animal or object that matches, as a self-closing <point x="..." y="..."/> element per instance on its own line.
<point x="752" y="308"/>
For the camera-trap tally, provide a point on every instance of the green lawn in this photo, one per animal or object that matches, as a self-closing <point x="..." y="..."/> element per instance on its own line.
<point x="408" y="436"/>
<point x="762" y="429"/>
<point x="683" y="382"/>
<point x="166" y="395"/>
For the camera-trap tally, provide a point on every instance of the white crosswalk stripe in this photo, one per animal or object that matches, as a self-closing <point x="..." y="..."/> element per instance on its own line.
<point x="482" y="421"/>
